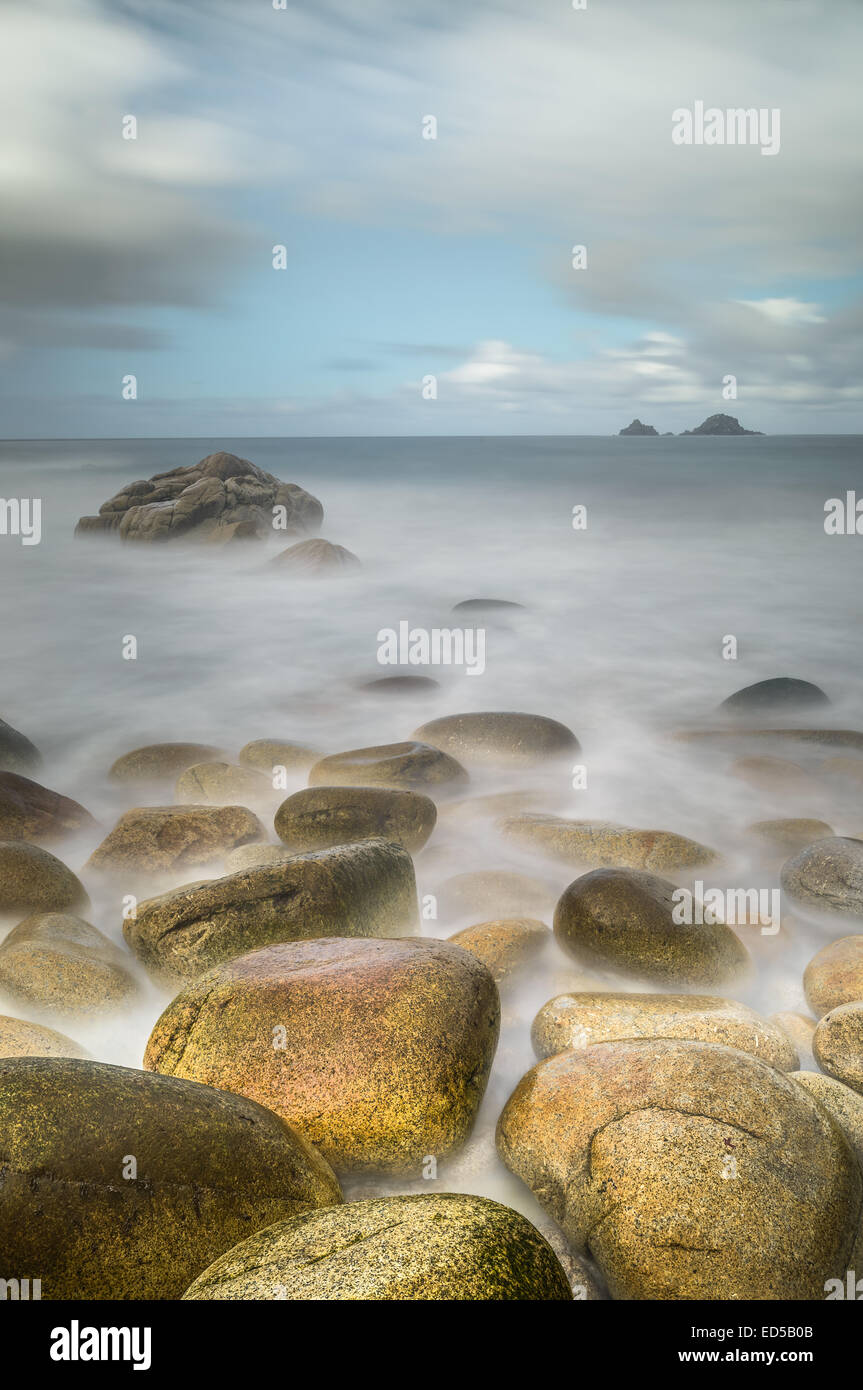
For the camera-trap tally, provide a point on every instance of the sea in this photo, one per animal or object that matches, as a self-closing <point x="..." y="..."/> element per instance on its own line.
<point x="656" y="576"/>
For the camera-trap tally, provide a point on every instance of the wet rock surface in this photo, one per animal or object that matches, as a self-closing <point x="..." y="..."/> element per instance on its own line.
<point x="579" y="1020"/>
<point x="221" y="784"/>
<point x="311" y="558"/>
<point x="18" y="1038"/>
<point x="838" y="1044"/>
<point x="401" y="685"/>
<point x="835" y="975"/>
<point x="17" y="753"/>
<point x="34" y="880"/>
<point x="487" y="605"/>
<point x="788" y="836"/>
<point x="267" y="754"/>
<point x="827" y="878"/>
<point x="779" y="695"/>
<point x="506" y="945"/>
<point x="845" y="1105"/>
<point x="600" y="844"/>
<point x="158" y="762"/>
<point x="499" y="737"/>
<point x="416" y="766"/>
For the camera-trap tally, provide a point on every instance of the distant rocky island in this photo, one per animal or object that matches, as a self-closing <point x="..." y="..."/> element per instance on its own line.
<point x="638" y="428"/>
<point x="714" y="424"/>
<point x="721" y="424"/>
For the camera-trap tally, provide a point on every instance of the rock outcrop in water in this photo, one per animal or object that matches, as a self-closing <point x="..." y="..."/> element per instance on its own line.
<point x="638" y="428"/>
<point x="721" y="424"/>
<point x="221" y="498"/>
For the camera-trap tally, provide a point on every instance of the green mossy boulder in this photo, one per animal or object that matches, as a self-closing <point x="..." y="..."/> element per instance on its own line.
<point x="35" y="881"/>
<point x="320" y="817"/>
<point x="430" y="1248"/>
<point x="366" y="889"/>
<point x="624" y="920"/>
<point x="118" y="1184"/>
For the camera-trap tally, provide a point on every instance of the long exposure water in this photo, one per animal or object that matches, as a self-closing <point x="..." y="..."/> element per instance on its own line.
<point x="688" y="541"/>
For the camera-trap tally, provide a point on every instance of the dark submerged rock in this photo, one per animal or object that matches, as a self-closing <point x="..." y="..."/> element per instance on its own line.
<point x="777" y="695"/>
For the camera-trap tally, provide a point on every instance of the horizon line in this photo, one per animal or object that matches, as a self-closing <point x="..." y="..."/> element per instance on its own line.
<point x="165" y="438"/>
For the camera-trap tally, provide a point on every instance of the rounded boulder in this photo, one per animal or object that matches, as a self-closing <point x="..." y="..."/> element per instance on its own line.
<point x="29" y="811"/>
<point x="837" y="1044"/>
<point x="834" y="975"/>
<point x="412" y="765"/>
<point x="320" y="817"/>
<point x="826" y="879"/>
<point x="495" y="737"/>
<point x="599" y="844"/>
<point x="624" y="920"/>
<point x="119" y="1184"/>
<point x="433" y="1247"/>
<point x="366" y="889"/>
<point x="581" y="1019"/>
<point x="33" y="879"/>
<point x="687" y="1170"/>
<point x="165" y="839"/>
<point x="60" y="963"/>
<point x="378" y="1052"/>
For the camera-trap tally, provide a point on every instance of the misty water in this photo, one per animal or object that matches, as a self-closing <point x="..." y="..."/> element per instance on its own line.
<point x="688" y="541"/>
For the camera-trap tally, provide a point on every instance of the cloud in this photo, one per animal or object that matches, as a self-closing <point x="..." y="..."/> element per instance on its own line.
<point x="91" y="219"/>
<point x="554" y="129"/>
<point x="52" y="330"/>
<point x="653" y="369"/>
<point x="785" y="311"/>
<point x="666" y="371"/>
<point x="502" y="389"/>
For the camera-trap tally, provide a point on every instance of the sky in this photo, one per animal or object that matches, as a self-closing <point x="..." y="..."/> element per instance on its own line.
<point x="428" y="284"/>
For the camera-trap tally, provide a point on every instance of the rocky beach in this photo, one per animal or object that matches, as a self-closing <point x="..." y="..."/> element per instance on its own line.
<point x="328" y="977"/>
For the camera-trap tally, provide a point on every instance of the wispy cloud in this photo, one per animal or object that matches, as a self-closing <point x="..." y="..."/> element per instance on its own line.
<point x="553" y="128"/>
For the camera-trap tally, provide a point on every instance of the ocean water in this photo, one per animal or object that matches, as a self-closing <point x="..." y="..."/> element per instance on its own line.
<point x="688" y="541"/>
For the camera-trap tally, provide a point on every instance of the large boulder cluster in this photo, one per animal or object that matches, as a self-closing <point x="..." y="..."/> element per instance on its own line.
<point x="221" y="498"/>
